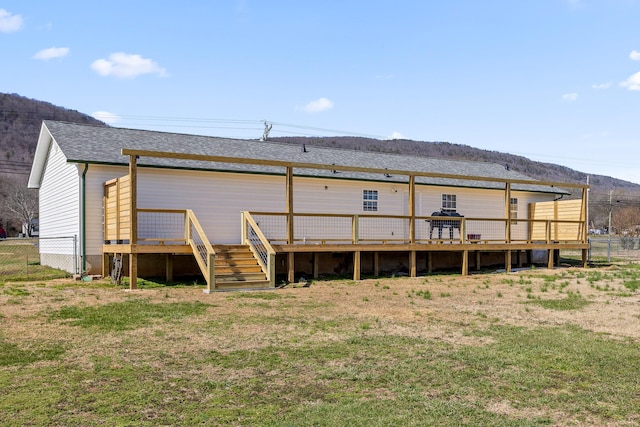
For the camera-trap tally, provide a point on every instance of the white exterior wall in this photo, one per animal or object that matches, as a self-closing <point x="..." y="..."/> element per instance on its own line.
<point x="96" y="176"/>
<point x="59" y="202"/>
<point x="218" y="198"/>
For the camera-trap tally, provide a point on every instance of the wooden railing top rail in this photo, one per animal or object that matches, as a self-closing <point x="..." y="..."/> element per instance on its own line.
<point x="175" y="211"/>
<point x="421" y="217"/>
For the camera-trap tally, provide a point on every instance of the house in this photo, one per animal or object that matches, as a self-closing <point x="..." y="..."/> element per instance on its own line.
<point x="239" y="212"/>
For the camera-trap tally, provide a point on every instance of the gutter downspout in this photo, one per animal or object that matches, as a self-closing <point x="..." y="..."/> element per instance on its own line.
<point x="83" y="220"/>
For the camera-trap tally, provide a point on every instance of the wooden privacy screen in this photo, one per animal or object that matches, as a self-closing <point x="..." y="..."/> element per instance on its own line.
<point x="117" y="210"/>
<point x="566" y="220"/>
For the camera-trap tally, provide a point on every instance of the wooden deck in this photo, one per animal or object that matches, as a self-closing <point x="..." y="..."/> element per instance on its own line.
<point x="251" y="264"/>
<point x="267" y="236"/>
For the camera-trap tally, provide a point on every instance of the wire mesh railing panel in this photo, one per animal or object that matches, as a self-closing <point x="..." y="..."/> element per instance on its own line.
<point x="519" y="231"/>
<point x="274" y="227"/>
<point x="422" y="229"/>
<point x="256" y="243"/>
<point x="443" y="228"/>
<point x="485" y="231"/>
<point x="383" y="229"/>
<point x="314" y="228"/>
<point x="161" y="226"/>
<point x="199" y="242"/>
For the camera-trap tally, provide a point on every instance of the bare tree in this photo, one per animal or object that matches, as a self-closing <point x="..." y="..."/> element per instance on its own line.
<point x="625" y="220"/>
<point x="20" y="203"/>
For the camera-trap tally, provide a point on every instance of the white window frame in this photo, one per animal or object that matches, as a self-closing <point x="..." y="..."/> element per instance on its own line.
<point x="513" y="210"/>
<point x="370" y="200"/>
<point x="449" y="203"/>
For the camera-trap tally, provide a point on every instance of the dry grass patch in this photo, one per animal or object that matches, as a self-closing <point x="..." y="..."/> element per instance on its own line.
<point x="530" y="348"/>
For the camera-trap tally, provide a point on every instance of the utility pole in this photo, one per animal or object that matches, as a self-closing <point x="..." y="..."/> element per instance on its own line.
<point x="609" y="229"/>
<point x="267" y="129"/>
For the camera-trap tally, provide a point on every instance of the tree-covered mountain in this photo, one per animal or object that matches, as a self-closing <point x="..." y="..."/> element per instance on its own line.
<point x="20" y="121"/>
<point x="21" y="118"/>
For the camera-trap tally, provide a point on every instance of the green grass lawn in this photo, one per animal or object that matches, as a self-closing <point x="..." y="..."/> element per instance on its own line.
<point x="20" y="261"/>
<point x="341" y="353"/>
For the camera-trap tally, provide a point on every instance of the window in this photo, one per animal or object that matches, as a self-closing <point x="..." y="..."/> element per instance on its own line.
<point x="513" y="210"/>
<point x="370" y="200"/>
<point x="448" y="203"/>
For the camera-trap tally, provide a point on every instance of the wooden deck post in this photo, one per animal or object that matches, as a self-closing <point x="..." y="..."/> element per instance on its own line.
<point x="584" y="216"/>
<point x="429" y="262"/>
<point x="291" y="267"/>
<point x="376" y="264"/>
<point x="316" y="266"/>
<point x="412" y="212"/>
<point x="356" y="265"/>
<point x="211" y="274"/>
<point x="106" y="265"/>
<point x="412" y="264"/>
<point x="133" y="226"/>
<point x="507" y="202"/>
<point x="550" y="258"/>
<point x="355" y="229"/>
<point x="133" y="271"/>
<point x="169" y="267"/>
<point x="465" y="263"/>
<point x="477" y="260"/>
<point x="289" y="184"/>
<point x="507" y="261"/>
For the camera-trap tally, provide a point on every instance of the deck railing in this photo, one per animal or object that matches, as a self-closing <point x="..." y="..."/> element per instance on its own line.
<point x="315" y="228"/>
<point x="176" y="227"/>
<point x="260" y="246"/>
<point x="162" y="226"/>
<point x="202" y="249"/>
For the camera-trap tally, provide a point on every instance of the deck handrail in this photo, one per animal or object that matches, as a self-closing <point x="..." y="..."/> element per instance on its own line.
<point x="353" y="229"/>
<point x="260" y="246"/>
<point x="202" y="249"/>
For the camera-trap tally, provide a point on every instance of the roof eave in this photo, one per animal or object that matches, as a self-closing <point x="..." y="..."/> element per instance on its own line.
<point x="45" y="139"/>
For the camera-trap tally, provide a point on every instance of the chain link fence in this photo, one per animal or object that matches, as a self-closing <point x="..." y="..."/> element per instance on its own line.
<point x="612" y="248"/>
<point x="45" y="257"/>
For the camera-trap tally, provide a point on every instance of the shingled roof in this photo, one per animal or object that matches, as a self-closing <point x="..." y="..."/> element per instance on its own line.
<point x="82" y="143"/>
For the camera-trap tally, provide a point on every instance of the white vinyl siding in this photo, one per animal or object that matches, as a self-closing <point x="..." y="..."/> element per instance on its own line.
<point x="218" y="198"/>
<point x="59" y="197"/>
<point x="96" y="176"/>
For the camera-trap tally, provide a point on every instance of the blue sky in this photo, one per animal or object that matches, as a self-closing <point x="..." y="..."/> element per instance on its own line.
<point x="553" y="80"/>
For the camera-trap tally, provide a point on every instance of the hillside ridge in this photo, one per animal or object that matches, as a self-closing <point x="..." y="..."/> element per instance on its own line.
<point x="20" y="122"/>
<point x="21" y="119"/>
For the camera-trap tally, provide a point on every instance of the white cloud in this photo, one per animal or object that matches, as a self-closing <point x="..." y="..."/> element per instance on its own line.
<point x="570" y="97"/>
<point x="319" y="105"/>
<point x="126" y="66"/>
<point x="105" y="116"/>
<point x="9" y="22"/>
<point x="606" y="85"/>
<point x="634" y="55"/>
<point x="51" y="53"/>
<point x="396" y="135"/>
<point x="632" y="83"/>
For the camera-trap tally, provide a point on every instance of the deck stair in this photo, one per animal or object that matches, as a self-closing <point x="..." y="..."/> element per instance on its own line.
<point x="237" y="268"/>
